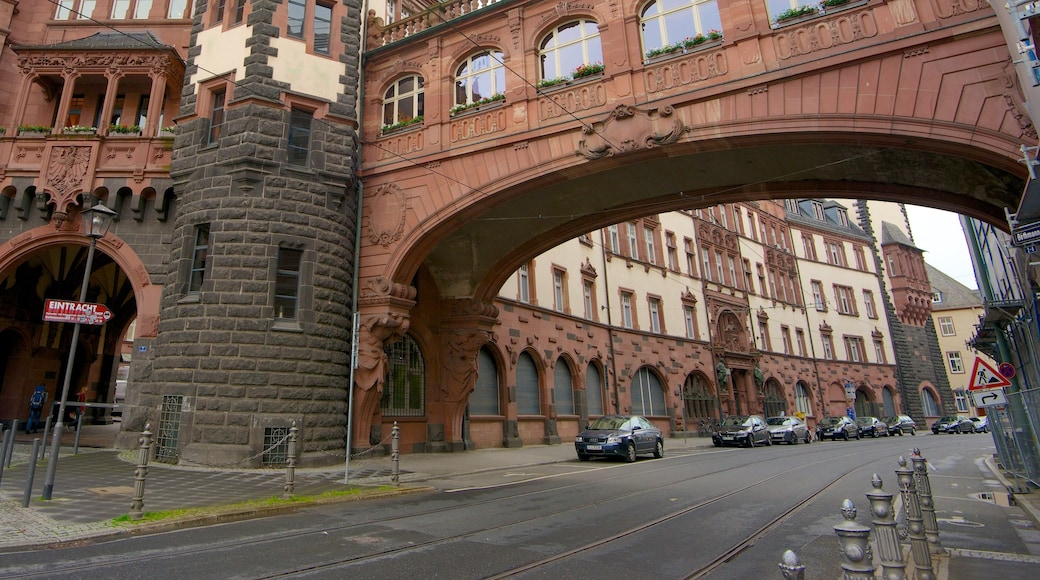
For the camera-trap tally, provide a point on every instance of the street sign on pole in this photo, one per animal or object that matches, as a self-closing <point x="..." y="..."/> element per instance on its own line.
<point x="1025" y="235"/>
<point x="984" y="376"/>
<point x="988" y="397"/>
<point x="76" y="312"/>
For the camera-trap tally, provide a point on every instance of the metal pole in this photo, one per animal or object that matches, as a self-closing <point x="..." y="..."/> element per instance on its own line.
<point x="137" y="505"/>
<point x="290" y="463"/>
<point x="9" y="434"/>
<point x="31" y="473"/>
<point x="395" y="455"/>
<point x="8" y="451"/>
<point x="924" y="491"/>
<point x="79" y="429"/>
<point x="914" y="523"/>
<point x="52" y="465"/>
<point x="350" y="387"/>
<point x="886" y="534"/>
<point x="46" y="430"/>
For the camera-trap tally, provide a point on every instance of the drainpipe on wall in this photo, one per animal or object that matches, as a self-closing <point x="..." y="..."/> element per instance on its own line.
<point x="610" y="323"/>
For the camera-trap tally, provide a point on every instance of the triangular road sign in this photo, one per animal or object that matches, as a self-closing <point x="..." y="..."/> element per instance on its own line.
<point x="984" y="376"/>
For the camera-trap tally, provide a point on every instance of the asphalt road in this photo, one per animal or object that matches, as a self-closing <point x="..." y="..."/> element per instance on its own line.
<point x="691" y="514"/>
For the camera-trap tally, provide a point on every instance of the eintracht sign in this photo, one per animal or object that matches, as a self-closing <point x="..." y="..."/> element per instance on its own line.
<point x="77" y="312"/>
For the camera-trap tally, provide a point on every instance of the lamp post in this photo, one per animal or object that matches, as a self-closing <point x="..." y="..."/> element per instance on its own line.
<point x="96" y="222"/>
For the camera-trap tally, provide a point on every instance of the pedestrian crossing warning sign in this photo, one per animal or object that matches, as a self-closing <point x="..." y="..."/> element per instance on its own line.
<point x="984" y="376"/>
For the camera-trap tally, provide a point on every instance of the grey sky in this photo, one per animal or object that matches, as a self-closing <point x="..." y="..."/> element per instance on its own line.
<point x="939" y="234"/>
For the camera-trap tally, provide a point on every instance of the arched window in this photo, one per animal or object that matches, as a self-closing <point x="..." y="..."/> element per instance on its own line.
<point x="568" y="47"/>
<point x="404" y="392"/>
<point x="528" y="389"/>
<point x="647" y="394"/>
<point x="480" y="77"/>
<point x="930" y="404"/>
<point x="563" y="388"/>
<point x="484" y="400"/>
<point x="802" y="402"/>
<point x="403" y="101"/>
<point x="698" y="402"/>
<point x="889" y="401"/>
<point x="594" y="390"/>
<point x="775" y="402"/>
<point x="671" y="22"/>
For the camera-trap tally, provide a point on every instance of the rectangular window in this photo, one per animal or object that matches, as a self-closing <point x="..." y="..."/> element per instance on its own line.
<point x="64" y="9"/>
<point x="706" y="264"/>
<point x="287" y="284"/>
<point x="673" y="252"/>
<point x="216" y="116"/>
<point x="961" y="399"/>
<point x="75" y="110"/>
<point x="240" y="11"/>
<point x="587" y="297"/>
<point x="299" y="136"/>
<point x="956" y="364"/>
<point x="817" y="294"/>
<point x="523" y="277"/>
<point x="785" y="336"/>
<point x="817" y="209"/>
<point x="322" y="28"/>
<point x="799" y="337"/>
<point x="626" y="310"/>
<point x="854" y="349"/>
<point x="828" y="347"/>
<point x="836" y="254"/>
<point x="120" y="9"/>
<point x="809" y="244"/>
<point x="879" y="351"/>
<point x="738" y="218"/>
<point x="734" y="280"/>
<point x="772" y="285"/>
<point x="722" y="217"/>
<point x="651" y="248"/>
<point x="688" y="316"/>
<point x="946" y="326"/>
<point x="297" y="11"/>
<point x="763" y="335"/>
<point x="615" y="239"/>
<point x="719" y="267"/>
<point x="220" y="11"/>
<point x="142" y="8"/>
<point x="868" y="304"/>
<point x="655" y="315"/>
<point x="748" y="280"/>
<point x="861" y="258"/>
<point x="198" y="258"/>
<point x="845" y="299"/>
<point x="559" y="290"/>
<point x="633" y="242"/>
<point x="691" y="267"/>
<point x="751" y="225"/>
<point x="178" y="9"/>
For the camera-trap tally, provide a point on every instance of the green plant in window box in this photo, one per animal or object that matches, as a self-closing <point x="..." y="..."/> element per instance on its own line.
<point x="792" y="13"/>
<point x="405" y="123"/>
<point x="492" y="99"/>
<point x="124" y="129"/>
<point x="78" y="130"/>
<point x="832" y="3"/>
<point x="552" y="82"/>
<point x="34" y="129"/>
<point x="587" y="70"/>
<point x="169" y="129"/>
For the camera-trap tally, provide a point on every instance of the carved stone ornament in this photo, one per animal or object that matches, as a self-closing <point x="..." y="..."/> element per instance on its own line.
<point x="628" y="128"/>
<point x="374" y="334"/>
<point x="381" y="290"/>
<point x="460" y="364"/>
<point x="386" y="214"/>
<point x="67" y="169"/>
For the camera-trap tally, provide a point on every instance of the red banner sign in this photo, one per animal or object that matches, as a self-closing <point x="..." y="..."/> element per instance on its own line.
<point x="77" y="312"/>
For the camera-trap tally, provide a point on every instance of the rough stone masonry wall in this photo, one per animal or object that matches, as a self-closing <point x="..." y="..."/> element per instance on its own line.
<point x="221" y="348"/>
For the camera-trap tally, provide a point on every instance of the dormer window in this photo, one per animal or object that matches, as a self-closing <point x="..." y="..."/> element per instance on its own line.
<point x="817" y="209"/>
<point x="936" y="297"/>
<point x="843" y="217"/>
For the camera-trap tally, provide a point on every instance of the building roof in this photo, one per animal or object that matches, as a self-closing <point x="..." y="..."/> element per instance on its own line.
<point x="103" y="41"/>
<point x="805" y="217"/>
<point x="954" y="295"/>
<point x="891" y="234"/>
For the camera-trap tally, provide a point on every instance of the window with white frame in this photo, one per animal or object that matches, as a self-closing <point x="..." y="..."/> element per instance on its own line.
<point x="673" y="252"/>
<point x="179" y="9"/>
<point x="960" y="397"/>
<point x="868" y="304"/>
<point x="937" y="298"/>
<point x="763" y="336"/>
<point x="615" y="239"/>
<point x="749" y="283"/>
<point x="523" y="279"/>
<point x="843" y="217"/>
<point x="845" y="299"/>
<point x="651" y="247"/>
<point x="946" y="326"/>
<point x="802" y="402"/>
<point x="956" y="363"/>
<point x="569" y="46"/>
<point x="691" y="261"/>
<point x="719" y="267"/>
<point x="626" y="309"/>
<point x="836" y="254"/>
<point x="861" y="258"/>
<point x="587" y="291"/>
<point x="732" y="262"/>
<point x="633" y="241"/>
<point x="828" y="346"/>
<point x="655" y="314"/>
<point x="74" y="9"/>
<point x="809" y="244"/>
<point x="785" y="336"/>
<point x="558" y="290"/>
<point x="688" y="317"/>
<point x="818" y="299"/>
<point x="879" y="351"/>
<point x="799" y="336"/>
<point x="854" y="351"/>
<point x="131" y="9"/>
<point x="403" y="101"/>
<point x="480" y="77"/>
<point x="669" y="22"/>
<point x="817" y="209"/>
<point x="705" y="264"/>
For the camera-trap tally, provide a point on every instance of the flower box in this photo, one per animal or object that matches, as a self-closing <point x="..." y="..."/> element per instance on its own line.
<point x="79" y="130"/>
<point x="401" y="126"/>
<point x="492" y="101"/>
<point x="33" y="130"/>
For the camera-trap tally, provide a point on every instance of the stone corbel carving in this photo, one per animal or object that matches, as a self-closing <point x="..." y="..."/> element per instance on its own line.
<point x="628" y="128"/>
<point x="375" y="333"/>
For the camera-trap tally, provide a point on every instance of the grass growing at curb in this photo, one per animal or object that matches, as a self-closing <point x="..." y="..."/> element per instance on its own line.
<point x="273" y="501"/>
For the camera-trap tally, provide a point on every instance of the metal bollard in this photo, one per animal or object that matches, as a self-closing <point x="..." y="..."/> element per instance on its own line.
<point x="79" y="429"/>
<point x="31" y="473"/>
<point x="395" y="455"/>
<point x="8" y="434"/>
<point x="791" y="567"/>
<point x="854" y="545"/>
<point x="886" y="535"/>
<point x="46" y="432"/>
<point x="914" y="522"/>
<point x="9" y="452"/>
<point x="924" y="491"/>
<point x="290" y="463"/>
<point x="137" y="506"/>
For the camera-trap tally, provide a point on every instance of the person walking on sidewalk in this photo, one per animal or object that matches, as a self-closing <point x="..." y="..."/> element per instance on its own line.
<point x="36" y="402"/>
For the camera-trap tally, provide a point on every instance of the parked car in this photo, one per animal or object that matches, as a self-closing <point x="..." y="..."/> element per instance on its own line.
<point x="788" y="430"/>
<point x="745" y="430"/>
<point x="838" y="427"/>
<point x="625" y="436"/>
<point x="871" y="427"/>
<point x="953" y="424"/>
<point x="981" y="424"/>
<point x="899" y="424"/>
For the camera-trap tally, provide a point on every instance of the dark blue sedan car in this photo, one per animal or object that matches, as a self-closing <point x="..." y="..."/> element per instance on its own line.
<point x="625" y="436"/>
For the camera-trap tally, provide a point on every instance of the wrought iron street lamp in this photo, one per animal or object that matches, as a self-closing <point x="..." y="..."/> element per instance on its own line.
<point x="96" y="222"/>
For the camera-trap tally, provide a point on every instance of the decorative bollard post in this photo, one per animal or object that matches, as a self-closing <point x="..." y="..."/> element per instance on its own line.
<point x="136" y="507"/>
<point x="791" y="567"/>
<point x="914" y="522"/>
<point x="395" y="455"/>
<point x="8" y="434"/>
<point x="9" y="451"/>
<point x="30" y="474"/>
<point x="290" y="463"/>
<point x="924" y="491"/>
<point x="854" y="545"/>
<point x="886" y="536"/>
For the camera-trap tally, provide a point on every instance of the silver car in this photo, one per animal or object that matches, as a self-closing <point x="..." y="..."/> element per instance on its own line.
<point x="789" y="430"/>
